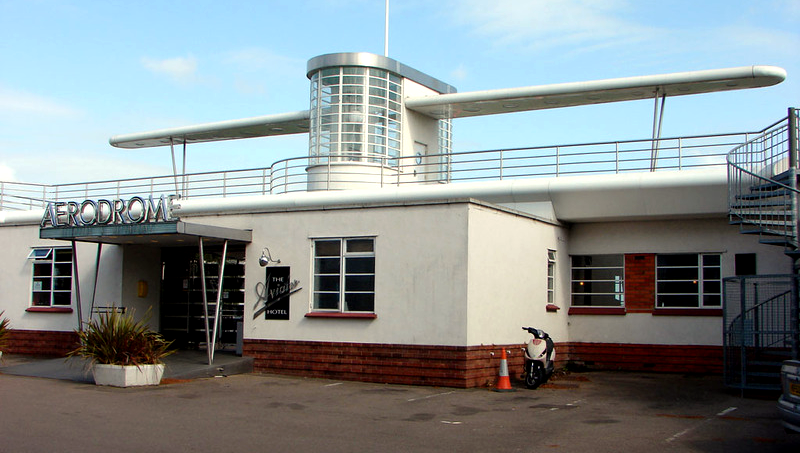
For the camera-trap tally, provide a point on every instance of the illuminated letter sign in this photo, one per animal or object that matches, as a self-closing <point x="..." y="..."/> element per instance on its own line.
<point x="106" y="212"/>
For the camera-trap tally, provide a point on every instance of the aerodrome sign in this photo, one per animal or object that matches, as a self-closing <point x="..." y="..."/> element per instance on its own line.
<point x="106" y="212"/>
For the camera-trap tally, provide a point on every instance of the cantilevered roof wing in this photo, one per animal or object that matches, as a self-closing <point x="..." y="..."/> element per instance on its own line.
<point x="260" y="126"/>
<point x="491" y="102"/>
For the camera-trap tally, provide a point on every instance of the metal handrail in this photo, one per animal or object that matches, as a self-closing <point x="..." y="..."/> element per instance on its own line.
<point x="293" y="174"/>
<point x="756" y="196"/>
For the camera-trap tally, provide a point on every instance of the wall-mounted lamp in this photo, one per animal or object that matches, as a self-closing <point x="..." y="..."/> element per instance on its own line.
<point x="266" y="258"/>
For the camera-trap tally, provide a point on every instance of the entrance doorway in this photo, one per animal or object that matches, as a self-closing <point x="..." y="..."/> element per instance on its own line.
<point x="183" y="316"/>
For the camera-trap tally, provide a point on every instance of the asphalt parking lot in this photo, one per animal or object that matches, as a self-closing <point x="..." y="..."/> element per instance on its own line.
<point x="580" y="412"/>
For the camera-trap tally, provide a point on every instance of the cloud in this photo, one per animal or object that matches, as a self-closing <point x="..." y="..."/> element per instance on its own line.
<point x="179" y="69"/>
<point x="7" y="173"/>
<point x="15" y="102"/>
<point x="259" y="59"/>
<point x="459" y="73"/>
<point x="545" y="24"/>
<point x="259" y="71"/>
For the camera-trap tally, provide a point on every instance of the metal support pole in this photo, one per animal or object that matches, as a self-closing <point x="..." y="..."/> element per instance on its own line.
<point x="794" y="317"/>
<point x="218" y="307"/>
<point x="205" y="301"/>
<point x="76" y="277"/>
<point x="183" y="170"/>
<point x="96" y="274"/>
<point x="657" y="120"/>
<point x="174" y="169"/>
<point x="743" y="345"/>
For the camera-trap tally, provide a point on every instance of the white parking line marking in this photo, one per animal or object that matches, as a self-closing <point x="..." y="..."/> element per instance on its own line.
<point x="430" y="396"/>
<point x="334" y="384"/>
<point x="675" y="436"/>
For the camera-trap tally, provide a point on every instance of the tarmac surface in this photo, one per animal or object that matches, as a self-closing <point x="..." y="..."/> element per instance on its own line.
<point x="576" y="412"/>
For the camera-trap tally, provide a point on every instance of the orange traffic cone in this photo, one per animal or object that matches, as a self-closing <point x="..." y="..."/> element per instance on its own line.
<point x="503" y="382"/>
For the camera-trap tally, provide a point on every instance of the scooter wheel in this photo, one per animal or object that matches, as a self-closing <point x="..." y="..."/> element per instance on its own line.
<point x="535" y="376"/>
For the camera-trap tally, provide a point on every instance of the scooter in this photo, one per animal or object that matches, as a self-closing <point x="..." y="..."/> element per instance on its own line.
<point x="540" y="356"/>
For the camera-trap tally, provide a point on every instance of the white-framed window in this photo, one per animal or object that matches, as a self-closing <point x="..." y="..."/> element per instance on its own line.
<point x="551" y="277"/>
<point x="598" y="280"/>
<point x="689" y="280"/>
<point x="52" y="276"/>
<point x="344" y="275"/>
<point x="355" y="115"/>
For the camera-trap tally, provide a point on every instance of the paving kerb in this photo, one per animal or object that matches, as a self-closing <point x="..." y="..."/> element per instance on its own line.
<point x="595" y="411"/>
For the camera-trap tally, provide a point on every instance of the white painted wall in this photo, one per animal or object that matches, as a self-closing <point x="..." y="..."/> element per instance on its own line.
<point x="421" y="269"/>
<point x="676" y="236"/>
<point x="16" y="277"/>
<point x="508" y="277"/>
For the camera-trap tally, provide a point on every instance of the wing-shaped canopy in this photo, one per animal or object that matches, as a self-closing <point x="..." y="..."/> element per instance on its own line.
<point x="491" y="102"/>
<point x="477" y="103"/>
<point x="260" y="126"/>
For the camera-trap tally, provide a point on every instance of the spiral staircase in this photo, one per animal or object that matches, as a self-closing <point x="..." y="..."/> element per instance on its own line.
<point x="761" y="326"/>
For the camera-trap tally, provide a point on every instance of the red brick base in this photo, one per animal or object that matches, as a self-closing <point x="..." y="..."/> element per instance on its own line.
<point x="645" y="357"/>
<point x="41" y="342"/>
<point x="462" y="366"/>
<point x="448" y="366"/>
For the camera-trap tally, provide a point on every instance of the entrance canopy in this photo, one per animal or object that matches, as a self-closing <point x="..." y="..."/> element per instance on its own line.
<point x="162" y="234"/>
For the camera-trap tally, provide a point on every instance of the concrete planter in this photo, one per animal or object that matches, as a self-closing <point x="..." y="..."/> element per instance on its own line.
<point x="127" y="376"/>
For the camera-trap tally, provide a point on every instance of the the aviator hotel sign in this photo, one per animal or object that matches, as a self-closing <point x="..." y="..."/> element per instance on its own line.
<point x="106" y="212"/>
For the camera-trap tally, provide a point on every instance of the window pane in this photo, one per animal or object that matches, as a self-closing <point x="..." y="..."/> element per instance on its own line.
<point x="359" y="283"/>
<point x="41" y="299"/>
<point x="63" y="255"/>
<point x="595" y="300"/>
<point x="677" y="273"/>
<point x="596" y="287"/>
<point x="360" y="245"/>
<point x="326" y="265"/>
<point x="62" y="298"/>
<point x="677" y="260"/>
<point x="711" y="273"/>
<point x="42" y="284"/>
<point x="62" y="284"/>
<point x="326" y="301"/>
<point x="712" y="300"/>
<point x="359" y="302"/>
<point x="326" y="283"/>
<point x="42" y="269"/>
<point x="63" y="269"/>
<point x="596" y="274"/>
<point x="678" y="288"/>
<point x="598" y="261"/>
<point x="711" y="287"/>
<point x="364" y="265"/>
<point x="327" y="248"/>
<point x="677" y="301"/>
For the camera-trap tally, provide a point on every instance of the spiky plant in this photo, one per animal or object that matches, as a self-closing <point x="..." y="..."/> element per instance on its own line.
<point x="118" y="339"/>
<point x="4" y="330"/>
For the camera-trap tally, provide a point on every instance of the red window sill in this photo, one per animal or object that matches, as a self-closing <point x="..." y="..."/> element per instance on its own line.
<point x="687" y="312"/>
<point x="324" y="314"/>
<point x="596" y="311"/>
<point x="552" y="308"/>
<point x="49" y="310"/>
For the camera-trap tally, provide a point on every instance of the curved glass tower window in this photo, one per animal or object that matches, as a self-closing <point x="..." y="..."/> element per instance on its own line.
<point x="356" y="115"/>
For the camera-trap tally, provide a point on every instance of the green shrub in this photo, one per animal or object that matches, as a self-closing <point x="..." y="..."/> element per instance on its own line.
<point x="117" y="339"/>
<point x="4" y="331"/>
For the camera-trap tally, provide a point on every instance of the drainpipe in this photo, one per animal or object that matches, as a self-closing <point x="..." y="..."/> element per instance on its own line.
<point x="794" y="313"/>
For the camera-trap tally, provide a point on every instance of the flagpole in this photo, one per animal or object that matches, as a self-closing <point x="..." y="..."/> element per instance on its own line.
<point x="386" y="32"/>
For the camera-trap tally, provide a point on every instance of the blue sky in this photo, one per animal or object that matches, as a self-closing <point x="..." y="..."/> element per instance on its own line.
<point x="74" y="73"/>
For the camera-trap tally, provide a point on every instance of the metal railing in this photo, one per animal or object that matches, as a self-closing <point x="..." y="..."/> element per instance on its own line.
<point x="337" y="172"/>
<point x="760" y="329"/>
<point x="762" y="182"/>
